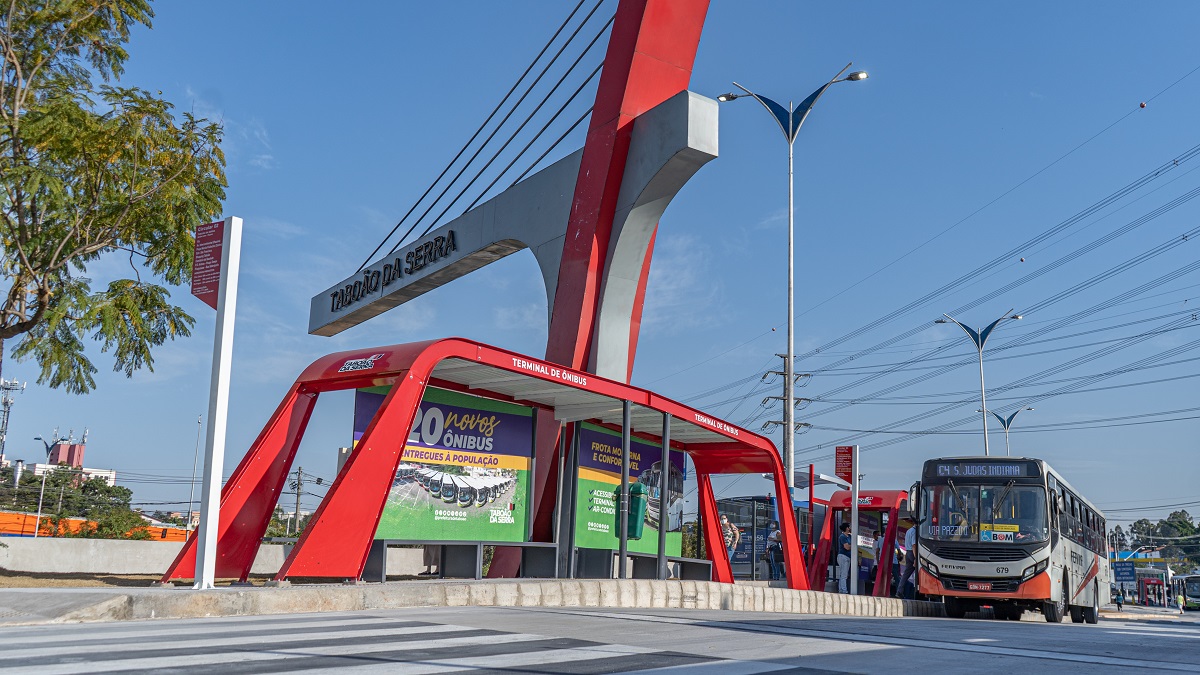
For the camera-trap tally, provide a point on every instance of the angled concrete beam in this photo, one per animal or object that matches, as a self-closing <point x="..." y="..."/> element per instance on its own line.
<point x="670" y="143"/>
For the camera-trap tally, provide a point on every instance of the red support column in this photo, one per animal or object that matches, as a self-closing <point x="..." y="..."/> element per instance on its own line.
<point x="883" y="575"/>
<point x="338" y="537"/>
<point x="249" y="498"/>
<point x="650" y="55"/>
<point x="714" y="539"/>
<point x="793" y="562"/>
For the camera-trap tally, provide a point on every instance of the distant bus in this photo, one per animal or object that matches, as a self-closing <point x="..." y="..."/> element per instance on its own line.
<point x="436" y="483"/>
<point x="450" y="487"/>
<point x="1009" y="533"/>
<point x="467" y="491"/>
<point x="1189" y="586"/>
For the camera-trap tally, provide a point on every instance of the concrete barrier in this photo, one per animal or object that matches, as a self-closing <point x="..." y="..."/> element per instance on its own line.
<point x="58" y="555"/>
<point x="28" y="606"/>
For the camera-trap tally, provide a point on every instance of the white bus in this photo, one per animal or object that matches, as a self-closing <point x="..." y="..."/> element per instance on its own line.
<point x="1008" y="533"/>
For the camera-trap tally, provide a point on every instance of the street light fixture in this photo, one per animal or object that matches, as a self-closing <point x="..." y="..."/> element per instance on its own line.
<point x="1006" y="422"/>
<point x="980" y="338"/>
<point x="790" y="119"/>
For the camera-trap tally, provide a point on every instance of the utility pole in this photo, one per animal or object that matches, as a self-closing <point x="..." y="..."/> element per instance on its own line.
<point x="299" y="485"/>
<point x="797" y="404"/>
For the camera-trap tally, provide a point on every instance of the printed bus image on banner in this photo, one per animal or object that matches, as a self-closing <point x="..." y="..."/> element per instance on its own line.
<point x="465" y="471"/>
<point x="600" y="477"/>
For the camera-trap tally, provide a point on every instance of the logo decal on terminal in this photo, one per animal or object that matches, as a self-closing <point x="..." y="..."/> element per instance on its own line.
<point x="360" y="364"/>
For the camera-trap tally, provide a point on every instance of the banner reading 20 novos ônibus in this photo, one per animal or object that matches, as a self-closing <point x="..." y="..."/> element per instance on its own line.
<point x="465" y="471"/>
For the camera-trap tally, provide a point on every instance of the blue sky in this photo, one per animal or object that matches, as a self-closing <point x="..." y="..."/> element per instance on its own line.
<point x="984" y="124"/>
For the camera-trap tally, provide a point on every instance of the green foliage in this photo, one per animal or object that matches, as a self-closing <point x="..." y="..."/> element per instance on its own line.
<point x="67" y="496"/>
<point x="91" y="170"/>
<point x="1178" y="535"/>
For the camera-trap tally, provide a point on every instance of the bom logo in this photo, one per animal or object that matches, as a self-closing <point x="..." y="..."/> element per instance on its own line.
<point x="360" y="364"/>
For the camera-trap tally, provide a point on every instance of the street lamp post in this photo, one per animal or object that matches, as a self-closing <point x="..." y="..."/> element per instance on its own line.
<point x="1006" y="422"/>
<point x="790" y="119"/>
<point x="980" y="338"/>
<point x="37" y="525"/>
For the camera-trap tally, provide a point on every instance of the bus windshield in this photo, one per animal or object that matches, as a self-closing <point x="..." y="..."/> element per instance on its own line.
<point x="1013" y="514"/>
<point x="988" y="513"/>
<point x="1192" y="587"/>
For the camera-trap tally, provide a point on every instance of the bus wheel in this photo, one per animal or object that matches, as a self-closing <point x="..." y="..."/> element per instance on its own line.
<point x="1092" y="614"/>
<point x="955" y="609"/>
<point x="1076" y="614"/>
<point x="1054" y="611"/>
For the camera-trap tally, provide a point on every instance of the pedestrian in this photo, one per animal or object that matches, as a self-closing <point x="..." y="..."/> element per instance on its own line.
<point x="877" y="551"/>
<point x="1179" y="599"/>
<point x="910" y="565"/>
<point x="732" y="535"/>
<point x="1120" y="600"/>
<point x="843" y="558"/>
<point x="774" y="551"/>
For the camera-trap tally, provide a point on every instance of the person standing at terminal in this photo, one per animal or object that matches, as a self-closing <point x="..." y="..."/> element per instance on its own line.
<point x="843" y="558"/>
<point x="732" y="535"/>
<point x="775" y="551"/>
<point x="1179" y="599"/>
<point x="910" y="565"/>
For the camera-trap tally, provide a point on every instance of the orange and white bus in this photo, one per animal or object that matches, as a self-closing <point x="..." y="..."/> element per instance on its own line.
<point x="1009" y="533"/>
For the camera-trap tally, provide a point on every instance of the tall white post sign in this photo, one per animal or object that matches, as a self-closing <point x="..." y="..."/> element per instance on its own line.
<point x="846" y="466"/>
<point x="214" y="280"/>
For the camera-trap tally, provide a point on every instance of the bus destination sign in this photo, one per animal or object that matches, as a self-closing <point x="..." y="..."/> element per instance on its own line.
<point x="981" y="470"/>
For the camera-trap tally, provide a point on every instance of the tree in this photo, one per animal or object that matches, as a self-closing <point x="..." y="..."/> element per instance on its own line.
<point x="90" y="170"/>
<point x="1119" y="538"/>
<point x="67" y="495"/>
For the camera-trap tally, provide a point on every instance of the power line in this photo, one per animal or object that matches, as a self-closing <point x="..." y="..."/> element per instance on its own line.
<point x="477" y="132"/>
<point x="496" y="130"/>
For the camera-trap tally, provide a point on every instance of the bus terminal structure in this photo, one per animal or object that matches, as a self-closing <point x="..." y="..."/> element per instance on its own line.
<point x="340" y="534"/>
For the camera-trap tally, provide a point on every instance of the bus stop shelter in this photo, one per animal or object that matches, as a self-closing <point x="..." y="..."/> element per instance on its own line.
<point x="340" y="534"/>
<point x="889" y="502"/>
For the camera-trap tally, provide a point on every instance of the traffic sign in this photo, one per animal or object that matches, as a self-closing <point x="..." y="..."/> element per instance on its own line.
<point x="1123" y="572"/>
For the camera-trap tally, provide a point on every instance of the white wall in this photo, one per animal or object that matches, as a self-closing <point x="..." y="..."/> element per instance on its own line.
<point x="54" y="555"/>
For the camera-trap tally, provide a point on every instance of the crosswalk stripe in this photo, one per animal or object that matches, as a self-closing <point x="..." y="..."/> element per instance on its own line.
<point x="588" y="658"/>
<point x="722" y="667"/>
<point x="15" y="638"/>
<point x="1193" y="636"/>
<point x="202" y="641"/>
<point x="385" y="661"/>
<point x="182" y="658"/>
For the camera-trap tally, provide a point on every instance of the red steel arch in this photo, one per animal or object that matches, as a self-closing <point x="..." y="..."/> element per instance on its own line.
<point x="339" y="536"/>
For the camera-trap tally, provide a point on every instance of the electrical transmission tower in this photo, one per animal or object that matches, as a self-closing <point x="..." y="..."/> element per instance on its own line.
<point x="7" y="387"/>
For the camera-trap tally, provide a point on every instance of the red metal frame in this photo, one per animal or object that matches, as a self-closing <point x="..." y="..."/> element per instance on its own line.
<point x="889" y="501"/>
<point x="336" y="542"/>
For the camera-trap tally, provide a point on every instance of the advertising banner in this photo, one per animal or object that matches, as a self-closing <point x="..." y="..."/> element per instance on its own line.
<point x="465" y="471"/>
<point x="600" y="478"/>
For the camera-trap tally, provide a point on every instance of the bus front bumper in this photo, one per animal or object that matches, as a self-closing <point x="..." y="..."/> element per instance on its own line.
<point x="1035" y="588"/>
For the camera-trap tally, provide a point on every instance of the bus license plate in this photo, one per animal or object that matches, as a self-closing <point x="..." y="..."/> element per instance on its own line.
<point x="978" y="586"/>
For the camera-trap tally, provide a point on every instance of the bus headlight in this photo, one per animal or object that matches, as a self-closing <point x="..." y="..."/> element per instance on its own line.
<point x="930" y="567"/>
<point x="1033" y="570"/>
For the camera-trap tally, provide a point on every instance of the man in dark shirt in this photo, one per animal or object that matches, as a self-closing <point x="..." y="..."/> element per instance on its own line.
<point x="843" y="558"/>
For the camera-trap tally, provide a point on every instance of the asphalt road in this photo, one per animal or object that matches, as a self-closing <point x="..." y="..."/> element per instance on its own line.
<point x="568" y="640"/>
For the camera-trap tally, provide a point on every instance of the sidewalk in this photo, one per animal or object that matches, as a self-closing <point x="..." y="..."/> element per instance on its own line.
<point x="1142" y="613"/>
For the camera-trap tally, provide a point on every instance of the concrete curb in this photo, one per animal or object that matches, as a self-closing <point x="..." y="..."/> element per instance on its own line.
<point x="182" y="603"/>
